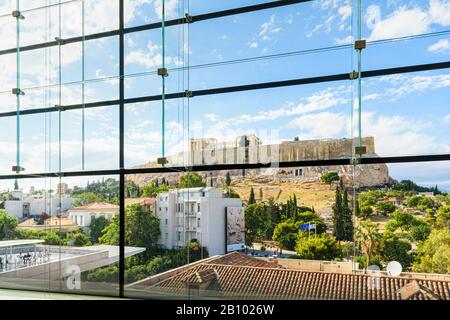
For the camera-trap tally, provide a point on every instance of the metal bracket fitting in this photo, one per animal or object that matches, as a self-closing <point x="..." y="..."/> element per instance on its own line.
<point x="17" y="14"/>
<point x="17" y="92"/>
<point x="18" y="169"/>
<point x="353" y="75"/>
<point x="162" y="72"/>
<point x="162" y="161"/>
<point x="360" y="44"/>
<point x="188" y="18"/>
<point x="59" y="107"/>
<point x="355" y="161"/>
<point x="60" y="41"/>
<point x="188" y="94"/>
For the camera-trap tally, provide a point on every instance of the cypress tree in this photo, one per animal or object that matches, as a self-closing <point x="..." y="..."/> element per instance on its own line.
<point x="347" y="219"/>
<point x="228" y="179"/>
<point x="251" y="199"/>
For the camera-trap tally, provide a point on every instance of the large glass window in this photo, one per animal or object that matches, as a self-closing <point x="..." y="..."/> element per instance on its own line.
<point x="221" y="149"/>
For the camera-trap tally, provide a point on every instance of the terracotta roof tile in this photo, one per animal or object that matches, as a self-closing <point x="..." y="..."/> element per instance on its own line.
<point x="258" y="279"/>
<point x="96" y="206"/>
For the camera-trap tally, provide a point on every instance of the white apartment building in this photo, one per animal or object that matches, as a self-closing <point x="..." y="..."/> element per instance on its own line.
<point x="25" y="206"/>
<point x="82" y="216"/>
<point x="195" y="213"/>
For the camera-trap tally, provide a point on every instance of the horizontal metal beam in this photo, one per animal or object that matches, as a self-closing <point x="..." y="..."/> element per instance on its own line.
<point x="219" y="167"/>
<point x="157" y="25"/>
<point x="240" y="88"/>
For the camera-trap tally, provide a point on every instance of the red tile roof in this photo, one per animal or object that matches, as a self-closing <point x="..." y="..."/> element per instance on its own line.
<point x="253" y="280"/>
<point x="96" y="206"/>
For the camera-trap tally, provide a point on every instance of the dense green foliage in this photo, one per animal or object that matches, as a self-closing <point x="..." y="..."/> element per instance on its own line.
<point x="329" y="177"/>
<point x="153" y="188"/>
<point x="191" y="180"/>
<point x="434" y="253"/>
<point x="100" y="191"/>
<point x="323" y="247"/>
<point x="8" y="225"/>
<point x="141" y="228"/>
<point x="96" y="228"/>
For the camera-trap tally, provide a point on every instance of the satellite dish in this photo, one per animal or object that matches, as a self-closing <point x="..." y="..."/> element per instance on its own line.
<point x="394" y="268"/>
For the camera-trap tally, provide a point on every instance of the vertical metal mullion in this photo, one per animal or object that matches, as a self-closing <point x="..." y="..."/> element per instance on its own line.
<point x="121" y="152"/>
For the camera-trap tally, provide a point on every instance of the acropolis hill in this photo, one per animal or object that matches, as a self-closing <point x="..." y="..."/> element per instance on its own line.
<point x="250" y="149"/>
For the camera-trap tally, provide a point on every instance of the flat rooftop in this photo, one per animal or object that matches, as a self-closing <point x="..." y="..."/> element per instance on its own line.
<point x="18" y="243"/>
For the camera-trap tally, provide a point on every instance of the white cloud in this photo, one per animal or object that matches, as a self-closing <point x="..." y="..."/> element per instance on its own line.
<point x="320" y="125"/>
<point x="268" y="29"/>
<point x="439" y="12"/>
<point x="211" y="117"/>
<point x="253" y="44"/>
<point x="345" y="12"/>
<point x="399" y="135"/>
<point x="152" y="58"/>
<point x="440" y="46"/>
<point x="407" y="21"/>
<point x="345" y="40"/>
<point x="372" y="16"/>
<point x="447" y="118"/>
<point x="170" y="8"/>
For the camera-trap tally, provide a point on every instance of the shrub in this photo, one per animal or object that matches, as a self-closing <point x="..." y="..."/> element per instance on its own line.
<point x="329" y="177"/>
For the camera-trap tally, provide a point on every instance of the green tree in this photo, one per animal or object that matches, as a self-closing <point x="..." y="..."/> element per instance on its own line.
<point x="150" y="190"/>
<point x="342" y="217"/>
<point x="385" y="208"/>
<point x="366" y="211"/>
<point x="285" y="234"/>
<point x="257" y="222"/>
<point x="443" y="217"/>
<point x="141" y="228"/>
<point x="420" y="231"/>
<point x="228" y="179"/>
<point x="78" y="239"/>
<point x="323" y="247"/>
<point x="401" y="220"/>
<point x="369" y="239"/>
<point x="329" y="177"/>
<point x="131" y="189"/>
<point x="96" y="227"/>
<point x="87" y="198"/>
<point x="110" y="234"/>
<point x="8" y="225"/>
<point x="434" y="253"/>
<point x="395" y="249"/>
<point x="191" y="180"/>
<point x="251" y="198"/>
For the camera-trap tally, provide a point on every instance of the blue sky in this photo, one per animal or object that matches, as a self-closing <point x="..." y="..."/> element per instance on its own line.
<point x="407" y="114"/>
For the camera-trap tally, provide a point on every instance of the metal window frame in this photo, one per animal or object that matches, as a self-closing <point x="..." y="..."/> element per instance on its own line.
<point x="121" y="102"/>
